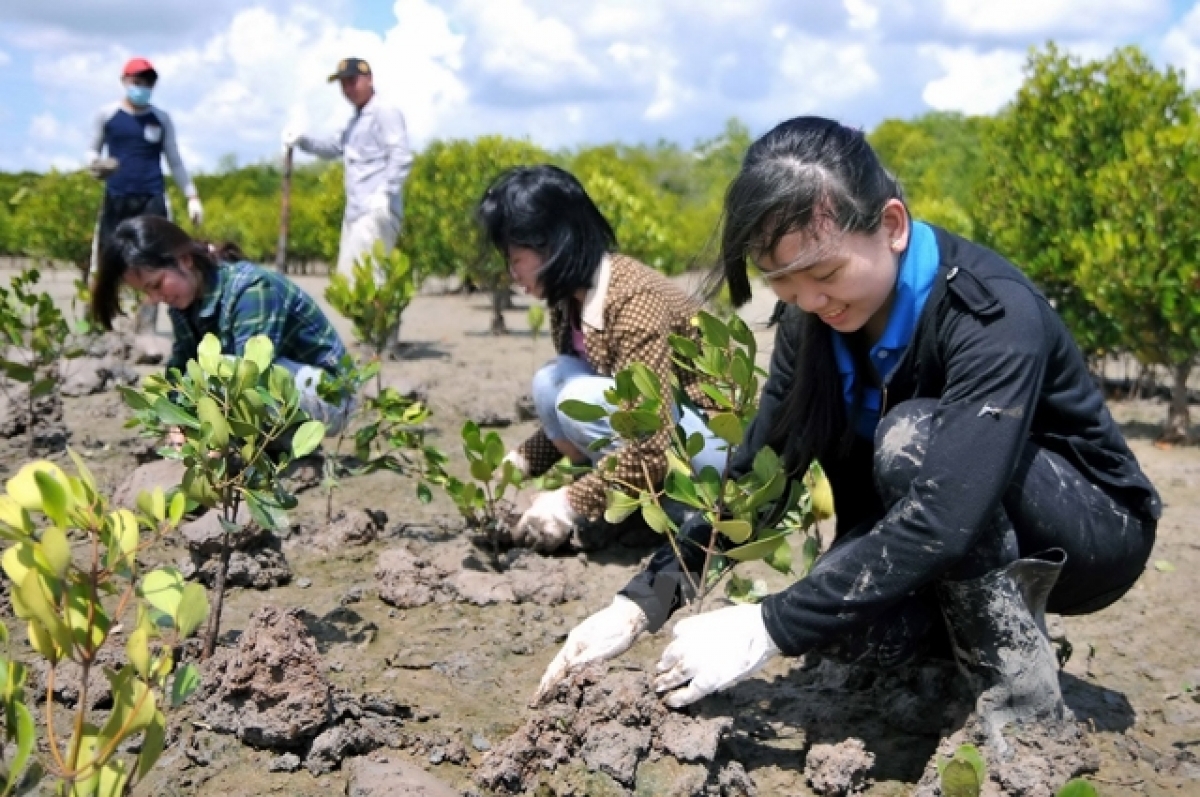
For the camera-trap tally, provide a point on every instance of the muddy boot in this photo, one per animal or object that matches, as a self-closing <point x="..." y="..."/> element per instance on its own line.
<point x="997" y="632"/>
<point x="1028" y="737"/>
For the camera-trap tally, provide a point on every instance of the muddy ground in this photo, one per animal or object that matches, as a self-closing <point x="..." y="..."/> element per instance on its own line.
<point x="465" y="672"/>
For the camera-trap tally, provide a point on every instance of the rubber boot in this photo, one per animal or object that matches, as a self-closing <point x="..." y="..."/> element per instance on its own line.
<point x="998" y="636"/>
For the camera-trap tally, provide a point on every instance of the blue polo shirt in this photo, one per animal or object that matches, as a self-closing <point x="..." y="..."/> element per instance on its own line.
<point x="914" y="281"/>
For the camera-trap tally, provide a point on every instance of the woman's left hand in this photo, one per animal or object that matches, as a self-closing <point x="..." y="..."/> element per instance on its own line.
<point x="547" y="524"/>
<point x="713" y="651"/>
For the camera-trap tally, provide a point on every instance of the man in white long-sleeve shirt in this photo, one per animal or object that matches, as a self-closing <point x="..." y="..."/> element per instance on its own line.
<point x="374" y="147"/>
<point x="137" y="136"/>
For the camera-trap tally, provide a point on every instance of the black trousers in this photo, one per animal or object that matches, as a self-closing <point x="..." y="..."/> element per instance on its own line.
<point x="117" y="208"/>
<point x="1048" y="504"/>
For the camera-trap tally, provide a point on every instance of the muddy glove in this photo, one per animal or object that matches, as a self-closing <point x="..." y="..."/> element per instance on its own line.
<point x="713" y="651"/>
<point x="195" y="211"/>
<point x="605" y="635"/>
<point x="518" y="462"/>
<point x="547" y="524"/>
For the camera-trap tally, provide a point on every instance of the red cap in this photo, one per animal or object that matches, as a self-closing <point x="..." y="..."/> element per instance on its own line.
<point x="135" y="66"/>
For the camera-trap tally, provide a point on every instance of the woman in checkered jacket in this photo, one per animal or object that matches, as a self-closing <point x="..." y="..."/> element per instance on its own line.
<point x="607" y="311"/>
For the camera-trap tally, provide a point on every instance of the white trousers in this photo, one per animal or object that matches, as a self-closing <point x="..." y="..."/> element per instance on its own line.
<point x="359" y="237"/>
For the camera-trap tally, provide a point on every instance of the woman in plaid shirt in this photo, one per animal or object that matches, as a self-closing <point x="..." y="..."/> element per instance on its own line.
<point x="218" y="292"/>
<point x="607" y="311"/>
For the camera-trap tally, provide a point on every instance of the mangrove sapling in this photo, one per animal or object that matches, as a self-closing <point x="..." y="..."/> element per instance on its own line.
<point x="374" y="300"/>
<point x="71" y="602"/>
<point x="37" y="339"/>
<point x="753" y="515"/>
<point x="481" y="500"/>
<point x="242" y="426"/>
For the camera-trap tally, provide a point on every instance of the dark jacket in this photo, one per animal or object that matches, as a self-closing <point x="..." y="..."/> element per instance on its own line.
<point x="1005" y="371"/>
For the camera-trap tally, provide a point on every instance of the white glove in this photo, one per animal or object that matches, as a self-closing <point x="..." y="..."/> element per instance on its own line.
<point x="195" y="211"/>
<point x="380" y="203"/>
<point x="713" y="651"/>
<point x="291" y="137"/>
<point x="605" y="635"/>
<point x="518" y="461"/>
<point x="547" y="523"/>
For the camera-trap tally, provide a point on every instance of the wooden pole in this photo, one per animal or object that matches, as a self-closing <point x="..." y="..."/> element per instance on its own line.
<point x="285" y="213"/>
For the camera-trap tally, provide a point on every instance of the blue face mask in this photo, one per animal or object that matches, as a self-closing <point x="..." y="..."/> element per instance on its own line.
<point x="139" y="95"/>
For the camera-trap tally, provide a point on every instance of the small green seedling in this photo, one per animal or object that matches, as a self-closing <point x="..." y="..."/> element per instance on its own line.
<point x="536" y="317"/>
<point x="375" y="299"/>
<point x="242" y="426"/>
<point x="37" y="338"/>
<point x="71" y="598"/>
<point x="753" y="515"/>
<point x="481" y="500"/>
<point x="964" y="773"/>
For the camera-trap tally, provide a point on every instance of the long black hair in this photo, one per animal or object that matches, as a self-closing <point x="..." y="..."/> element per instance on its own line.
<point x="546" y="209"/>
<point x="814" y="175"/>
<point x="148" y="243"/>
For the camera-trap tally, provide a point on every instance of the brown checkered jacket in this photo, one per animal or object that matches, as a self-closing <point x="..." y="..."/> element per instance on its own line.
<point x="641" y="309"/>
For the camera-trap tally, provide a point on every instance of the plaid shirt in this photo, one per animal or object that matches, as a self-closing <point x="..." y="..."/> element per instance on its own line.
<point x="628" y="317"/>
<point x="243" y="300"/>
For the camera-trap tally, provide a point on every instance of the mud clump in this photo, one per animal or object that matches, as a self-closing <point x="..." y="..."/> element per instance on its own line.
<point x="613" y="726"/>
<point x="1036" y="759"/>
<point x="407" y="580"/>
<point x="271" y="692"/>
<point x="255" y="562"/>
<point x="353" y="527"/>
<point x="85" y="376"/>
<point x="49" y="430"/>
<point x="839" y="770"/>
<point x="165" y="474"/>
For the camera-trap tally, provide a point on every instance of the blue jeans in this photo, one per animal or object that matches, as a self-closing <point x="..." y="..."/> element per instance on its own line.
<point x="568" y="377"/>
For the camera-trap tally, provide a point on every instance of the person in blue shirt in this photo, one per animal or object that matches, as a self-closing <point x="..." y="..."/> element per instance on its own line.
<point x="136" y="137"/>
<point x="978" y="478"/>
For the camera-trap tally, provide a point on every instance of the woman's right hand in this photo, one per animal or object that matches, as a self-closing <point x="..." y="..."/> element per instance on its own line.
<point x="605" y="635"/>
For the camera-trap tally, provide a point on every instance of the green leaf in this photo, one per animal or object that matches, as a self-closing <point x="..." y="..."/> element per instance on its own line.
<point x="25" y="737"/>
<point x="56" y="549"/>
<point x="759" y="549"/>
<point x="657" y="519"/>
<point x="960" y="780"/>
<point x="137" y="650"/>
<point x="620" y="506"/>
<point x="177" y="507"/>
<point x="260" y="351"/>
<point x="646" y="381"/>
<point x="685" y="347"/>
<point x="54" y="497"/>
<point x="424" y="494"/>
<point x="737" y="531"/>
<point x="713" y="392"/>
<point x="163" y="589"/>
<point x="809" y="554"/>
<point x="209" y="413"/>
<point x="714" y="331"/>
<point x="153" y="743"/>
<point x="36" y="596"/>
<point x="307" y="438"/>
<point x="174" y="415"/>
<point x="208" y="355"/>
<point x="42" y="387"/>
<point x="681" y="488"/>
<point x="781" y="558"/>
<point x="582" y="411"/>
<point x="727" y="426"/>
<point x="187" y="681"/>
<point x="1077" y="787"/>
<point x="134" y="707"/>
<point x="192" y="609"/>
<point x="1163" y="566"/>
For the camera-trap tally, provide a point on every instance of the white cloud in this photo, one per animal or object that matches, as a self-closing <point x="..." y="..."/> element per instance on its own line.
<point x="862" y="14"/>
<point x="1181" y="46"/>
<point x="1053" y="18"/>
<point x="5" y="58"/>
<point x="815" y="73"/>
<point x="973" y="82"/>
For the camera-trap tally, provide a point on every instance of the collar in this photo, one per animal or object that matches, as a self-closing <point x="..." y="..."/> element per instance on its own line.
<point x="914" y="282"/>
<point x="592" y="311"/>
<point x="214" y="287"/>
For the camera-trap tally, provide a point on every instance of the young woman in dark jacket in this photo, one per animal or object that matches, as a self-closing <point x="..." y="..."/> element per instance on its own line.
<point x="978" y="477"/>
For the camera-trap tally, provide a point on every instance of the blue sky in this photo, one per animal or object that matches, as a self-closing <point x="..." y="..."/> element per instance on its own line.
<point x="234" y="73"/>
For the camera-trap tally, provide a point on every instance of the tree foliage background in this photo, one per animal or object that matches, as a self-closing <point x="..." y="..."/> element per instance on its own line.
<point x="1087" y="180"/>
